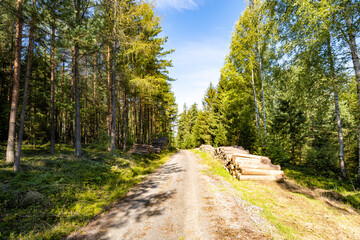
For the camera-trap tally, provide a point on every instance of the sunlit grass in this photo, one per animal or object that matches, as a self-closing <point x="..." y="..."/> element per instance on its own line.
<point x="53" y="195"/>
<point x="295" y="215"/>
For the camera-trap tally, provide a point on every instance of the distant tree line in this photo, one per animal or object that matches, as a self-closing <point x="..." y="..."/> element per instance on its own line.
<point x="82" y="72"/>
<point x="289" y="88"/>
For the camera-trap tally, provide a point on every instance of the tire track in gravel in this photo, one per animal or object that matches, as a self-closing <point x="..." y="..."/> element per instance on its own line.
<point x="179" y="201"/>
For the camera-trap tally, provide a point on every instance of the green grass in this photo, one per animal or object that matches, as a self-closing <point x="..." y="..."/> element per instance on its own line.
<point x="310" y="178"/>
<point x="289" y="212"/>
<point x="53" y="196"/>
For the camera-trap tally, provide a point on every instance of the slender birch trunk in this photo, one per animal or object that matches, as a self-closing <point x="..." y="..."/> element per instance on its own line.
<point x="263" y="96"/>
<point x="257" y="116"/>
<point x="356" y="65"/>
<point x="25" y="94"/>
<point x="337" y="111"/>
<point x="10" y="150"/>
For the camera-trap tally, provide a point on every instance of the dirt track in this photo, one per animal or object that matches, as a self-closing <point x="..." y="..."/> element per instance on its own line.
<point x="180" y="201"/>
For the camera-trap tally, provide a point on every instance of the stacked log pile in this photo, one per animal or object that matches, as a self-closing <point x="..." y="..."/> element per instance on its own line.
<point x="157" y="146"/>
<point x="143" y="149"/>
<point x="245" y="166"/>
<point x="207" y="148"/>
<point x="161" y="143"/>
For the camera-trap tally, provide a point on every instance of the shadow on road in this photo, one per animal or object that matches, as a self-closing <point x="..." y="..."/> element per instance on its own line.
<point x="144" y="200"/>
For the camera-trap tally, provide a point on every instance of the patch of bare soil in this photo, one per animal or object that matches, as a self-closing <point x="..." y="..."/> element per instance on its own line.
<point x="231" y="216"/>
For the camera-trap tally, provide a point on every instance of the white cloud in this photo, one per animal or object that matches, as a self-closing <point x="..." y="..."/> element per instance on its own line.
<point x="178" y="4"/>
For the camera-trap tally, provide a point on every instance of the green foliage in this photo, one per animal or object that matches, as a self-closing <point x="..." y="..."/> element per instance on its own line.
<point x="288" y="125"/>
<point x="187" y="128"/>
<point x="286" y="65"/>
<point x="51" y="196"/>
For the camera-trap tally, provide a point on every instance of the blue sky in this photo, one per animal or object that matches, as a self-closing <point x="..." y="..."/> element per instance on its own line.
<point x="200" y="32"/>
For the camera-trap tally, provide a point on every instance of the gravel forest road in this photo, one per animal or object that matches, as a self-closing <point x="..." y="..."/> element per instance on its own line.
<point x="180" y="201"/>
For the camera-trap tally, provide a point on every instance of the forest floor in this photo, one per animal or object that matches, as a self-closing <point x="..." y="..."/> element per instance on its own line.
<point x="53" y="195"/>
<point x="193" y="197"/>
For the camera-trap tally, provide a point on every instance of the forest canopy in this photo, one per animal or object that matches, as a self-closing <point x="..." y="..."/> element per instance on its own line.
<point x="289" y="87"/>
<point x="84" y="72"/>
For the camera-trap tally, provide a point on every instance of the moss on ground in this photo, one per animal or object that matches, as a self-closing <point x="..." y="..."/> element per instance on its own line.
<point x="53" y="196"/>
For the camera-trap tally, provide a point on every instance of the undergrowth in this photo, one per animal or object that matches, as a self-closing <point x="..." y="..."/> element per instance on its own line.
<point x="52" y="196"/>
<point x="310" y="178"/>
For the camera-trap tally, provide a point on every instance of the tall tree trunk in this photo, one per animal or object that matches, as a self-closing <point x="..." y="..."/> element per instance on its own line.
<point x="25" y="94"/>
<point x="52" y="80"/>
<point x="113" y="86"/>
<point x="149" y="122"/>
<point x="77" y="102"/>
<point x="63" y="131"/>
<point x="125" y="116"/>
<point x="356" y="64"/>
<point x="85" y="106"/>
<point x="337" y="110"/>
<point x="263" y="97"/>
<point x="340" y="135"/>
<point x="11" y="66"/>
<point x="109" y="89"/>
<point x="10" y="150"/>
<point x="135" y="120"/>
<point x="95" y="100"/>
<point x="257" y="115"/>
<point x="140" y="121"/>
<point x="72" y="95"/>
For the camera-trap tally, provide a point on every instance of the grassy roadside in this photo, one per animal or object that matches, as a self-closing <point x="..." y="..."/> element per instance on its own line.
<point x="295" y="214"/>
<point x="52" y="196"/>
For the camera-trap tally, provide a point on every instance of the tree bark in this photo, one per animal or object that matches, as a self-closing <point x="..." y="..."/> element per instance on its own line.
<point x="257" y="115"/>
<point x="337" y="111"/>
<point x="125" y="114"/>
<point x="10" y="150"/>
<point x="63" y="131"/>
<point x="52" y="80"/>
<point x="113" y="86"/>
<point x="85" y="107"/>
<point x="263" y="96"/>
<point x="95" y="100"/>
<point x="109" y="89"/>
<point x="77" y="103"/>
<point x="340" y="136"/>
<point x="72" y="95"/>
<point x="11" y="66"/>
<point x="356" y="65"/>
<point x="140" y="121"/>
<point x="25" y="94"/>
